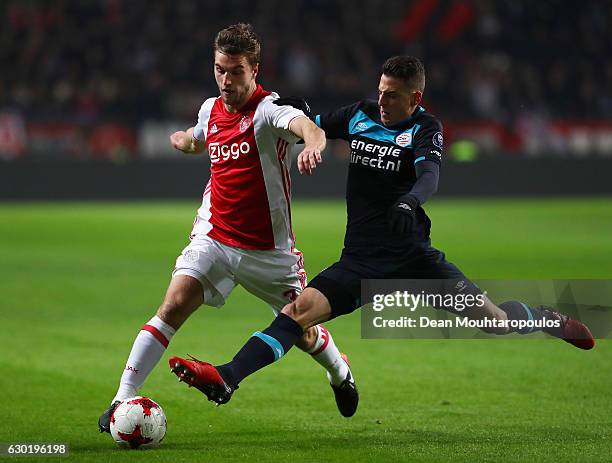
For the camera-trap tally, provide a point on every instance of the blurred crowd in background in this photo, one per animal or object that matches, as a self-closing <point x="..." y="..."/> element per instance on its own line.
<point x="85" y="78"/>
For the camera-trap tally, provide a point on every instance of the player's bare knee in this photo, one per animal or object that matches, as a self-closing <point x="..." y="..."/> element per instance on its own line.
<point x="307" y="341"/>
<point x="184" y="301"/>
<point x="289" y="310"/>
<point x="298" y="308"/>
<point x="177" y="307"/>
<point x="309" y="309"/>
<point x="172" y="305"/>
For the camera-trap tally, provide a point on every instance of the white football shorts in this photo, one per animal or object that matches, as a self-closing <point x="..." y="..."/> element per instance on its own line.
<point x="274" y="276"/>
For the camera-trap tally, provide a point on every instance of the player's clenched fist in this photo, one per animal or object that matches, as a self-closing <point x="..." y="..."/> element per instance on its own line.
<point x="308" y="159"/>
<point x="181" y="141"/>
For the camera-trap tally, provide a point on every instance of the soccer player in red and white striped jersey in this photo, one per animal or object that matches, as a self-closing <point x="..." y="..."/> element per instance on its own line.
<point x="242" y="233"/>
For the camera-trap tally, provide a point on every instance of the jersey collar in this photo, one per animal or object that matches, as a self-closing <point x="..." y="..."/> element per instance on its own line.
<point x="258" y="95"/>
<point x="409" y="120"/>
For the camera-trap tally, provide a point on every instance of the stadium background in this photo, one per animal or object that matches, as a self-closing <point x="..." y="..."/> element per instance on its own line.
<point x="90" y="91"/>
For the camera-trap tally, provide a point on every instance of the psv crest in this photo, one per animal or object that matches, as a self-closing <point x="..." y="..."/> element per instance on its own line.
<point x="245" y="123"/>
<point x="404" y="139"/>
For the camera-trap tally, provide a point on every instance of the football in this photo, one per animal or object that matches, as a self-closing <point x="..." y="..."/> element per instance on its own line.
<point x="138" y="423"/>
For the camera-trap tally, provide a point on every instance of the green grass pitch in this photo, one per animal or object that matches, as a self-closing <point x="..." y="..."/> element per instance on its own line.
<point x="77" y="280"/>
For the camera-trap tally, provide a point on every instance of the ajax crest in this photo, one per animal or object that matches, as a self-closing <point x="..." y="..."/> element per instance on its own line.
<point x="245" y="122"/>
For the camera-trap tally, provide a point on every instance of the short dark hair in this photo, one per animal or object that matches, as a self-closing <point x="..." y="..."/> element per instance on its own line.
<point x="239" y="39"/>
<point x="406" y="68"/>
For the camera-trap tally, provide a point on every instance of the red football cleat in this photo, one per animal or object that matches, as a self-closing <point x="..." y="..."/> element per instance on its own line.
<point x="204" y="377"/>
<point x="573" y="331"/>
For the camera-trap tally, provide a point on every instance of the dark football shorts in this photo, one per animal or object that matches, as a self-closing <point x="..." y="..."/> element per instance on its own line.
<point x="341" y="282"/>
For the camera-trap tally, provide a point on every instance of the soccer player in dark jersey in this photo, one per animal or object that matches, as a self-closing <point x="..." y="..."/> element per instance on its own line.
<point x="396" y="150"/>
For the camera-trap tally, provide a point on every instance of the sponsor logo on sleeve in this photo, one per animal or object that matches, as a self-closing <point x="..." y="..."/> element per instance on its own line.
<point x="437" y="139"/>
<point x="362" y="126"/>
<point x="404" y="206"/>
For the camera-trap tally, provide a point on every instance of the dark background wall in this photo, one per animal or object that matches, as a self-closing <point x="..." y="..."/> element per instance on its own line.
<point x="92" y="90"/>
<point x="24" y="180"/>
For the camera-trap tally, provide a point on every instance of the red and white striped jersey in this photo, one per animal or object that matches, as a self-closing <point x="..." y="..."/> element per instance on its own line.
<point x="246" y="203"/>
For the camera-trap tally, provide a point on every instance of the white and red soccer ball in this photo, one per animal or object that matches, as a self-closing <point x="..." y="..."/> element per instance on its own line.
<point x="138" y="422"/>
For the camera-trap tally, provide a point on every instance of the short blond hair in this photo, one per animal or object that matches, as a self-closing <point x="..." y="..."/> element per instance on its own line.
<point x="239" y="39"/>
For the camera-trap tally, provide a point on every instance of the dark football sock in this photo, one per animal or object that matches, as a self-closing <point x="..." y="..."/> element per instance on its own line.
<point x="262" y="349"/>
<point x="520" y="311"/>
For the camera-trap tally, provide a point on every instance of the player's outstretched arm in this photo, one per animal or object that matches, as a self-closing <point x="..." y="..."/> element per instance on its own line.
<point x="314" y="143"/>
<point x="184" y="141"/>
<point x="402" y="212"/>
